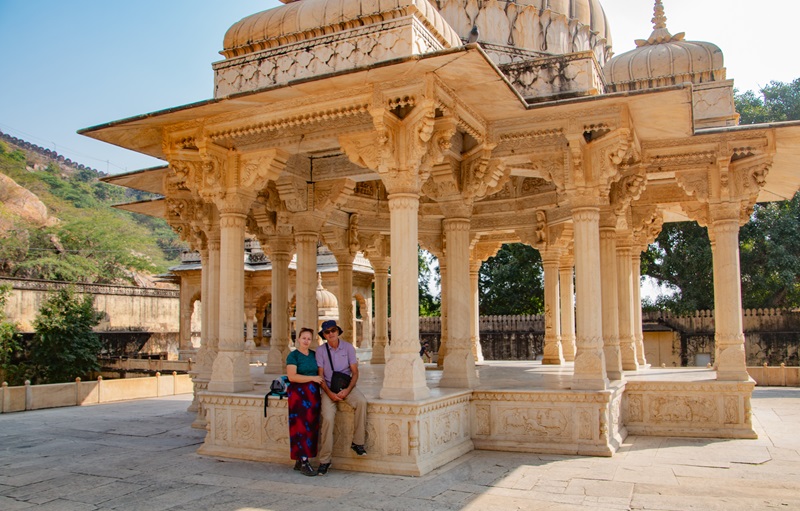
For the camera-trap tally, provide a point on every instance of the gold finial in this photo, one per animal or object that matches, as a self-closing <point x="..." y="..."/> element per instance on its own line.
<point x="660" y="33"/>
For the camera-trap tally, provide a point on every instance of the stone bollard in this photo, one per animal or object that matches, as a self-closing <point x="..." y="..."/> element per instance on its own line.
<point x="99" y="389"/>
<point x="28" y="395"/>
<point x="174" y="383"/>
<point x="77" y="391"/>
<point x="3" y="398"/>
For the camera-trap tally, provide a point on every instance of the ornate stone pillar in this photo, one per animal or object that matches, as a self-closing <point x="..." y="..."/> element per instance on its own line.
<point x="379" y="347"/>
<point x="638" y="334"/>
<point x="201" y="371"/>
<point x="717" y="295"/>
<point x="567" y="291"/>
<point x="474" y="312"/>
<point x="627" y="340"/>
<point x="552" y="310"/>
<point x="590" y="364"/>
<point x="404" y="377"/>
<point x="729" y="335"/>
<point x="249" y="313"/>
<point x="344" y="262"/>
<point x="231" y="369"/>
<point x="459" y="366"/>
<point x="185" y="325"/>
<point x="307" y="313"/>
<point x="260" y="315"/>
<point x="610" y="307"/>
<point x="444" y="333"/>
<point x="281" y="255"/>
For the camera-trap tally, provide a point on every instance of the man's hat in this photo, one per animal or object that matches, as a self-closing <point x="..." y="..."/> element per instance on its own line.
<point x="329" y="324"/>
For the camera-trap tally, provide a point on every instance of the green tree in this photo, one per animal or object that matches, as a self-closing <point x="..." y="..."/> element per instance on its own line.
<point x="512" y="282"/>
<point x="770" y="256"/>
<point x="680" y="258"/>
<point x="778" y="101"/>
<point x="64" y="346"/>
<point x="429" y="305"/>
<point x="12" y="369"/>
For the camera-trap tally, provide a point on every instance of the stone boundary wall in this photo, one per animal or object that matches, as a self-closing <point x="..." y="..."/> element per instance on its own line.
<point x="80" y="393"/>
<point x="125" y="308"/>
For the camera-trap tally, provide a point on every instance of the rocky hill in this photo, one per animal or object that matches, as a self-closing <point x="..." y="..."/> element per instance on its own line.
<point x="57" y="223"/>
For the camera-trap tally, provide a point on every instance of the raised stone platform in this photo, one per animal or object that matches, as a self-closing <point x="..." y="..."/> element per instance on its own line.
<point x="519" y="406"/>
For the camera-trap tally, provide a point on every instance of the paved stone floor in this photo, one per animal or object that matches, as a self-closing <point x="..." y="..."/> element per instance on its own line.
<point x="140" y="455"/>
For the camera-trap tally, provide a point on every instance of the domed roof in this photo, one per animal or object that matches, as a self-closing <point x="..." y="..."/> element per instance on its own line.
<point x="325" y="299"/>
<point x="307" y="19"/>
<point x="664" y="59"/>
<point x="588" y="13"/>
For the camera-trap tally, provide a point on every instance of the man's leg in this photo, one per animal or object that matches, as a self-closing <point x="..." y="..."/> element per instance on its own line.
<point x="359" y="403"/>
<point x="328" y="415"/>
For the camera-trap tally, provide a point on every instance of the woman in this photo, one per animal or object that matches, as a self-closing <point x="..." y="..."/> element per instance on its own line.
<point x="304" y="402"/>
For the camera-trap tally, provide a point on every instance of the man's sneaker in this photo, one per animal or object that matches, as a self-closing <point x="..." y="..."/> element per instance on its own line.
<point x="359" y="449"/>
<point x="306" y="469"/>
<point x="298" y="464"/>
<point x="323" y="468"/>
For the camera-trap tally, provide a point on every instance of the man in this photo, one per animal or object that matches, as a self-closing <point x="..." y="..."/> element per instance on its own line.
<point x="342" y="359"/>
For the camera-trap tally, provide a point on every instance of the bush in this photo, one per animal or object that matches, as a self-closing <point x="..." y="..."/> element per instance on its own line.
<point x="64" y="346"/>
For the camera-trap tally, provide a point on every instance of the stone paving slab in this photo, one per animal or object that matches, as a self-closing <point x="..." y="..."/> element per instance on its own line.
<point x="141" y="455"/>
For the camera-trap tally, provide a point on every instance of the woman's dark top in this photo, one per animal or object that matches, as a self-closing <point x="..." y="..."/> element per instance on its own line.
<point x="306" y="364"/>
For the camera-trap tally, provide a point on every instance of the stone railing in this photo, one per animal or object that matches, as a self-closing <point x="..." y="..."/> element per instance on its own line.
<point x="80" y="393"/>
<point x="775" y="376"/>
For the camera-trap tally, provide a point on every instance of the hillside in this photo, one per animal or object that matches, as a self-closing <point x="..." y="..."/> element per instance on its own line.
<point x="57" y="223"/>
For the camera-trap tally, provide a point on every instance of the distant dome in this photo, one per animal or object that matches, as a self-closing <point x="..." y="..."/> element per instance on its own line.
<point x="664" y="59"/>
<point x="325" y="299"/>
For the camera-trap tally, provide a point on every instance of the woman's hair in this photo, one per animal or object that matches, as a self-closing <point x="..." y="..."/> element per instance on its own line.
<point x="305" y="330"/>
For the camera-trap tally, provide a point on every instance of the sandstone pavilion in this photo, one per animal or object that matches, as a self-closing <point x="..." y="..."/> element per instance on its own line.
<point x="375" y="127"/>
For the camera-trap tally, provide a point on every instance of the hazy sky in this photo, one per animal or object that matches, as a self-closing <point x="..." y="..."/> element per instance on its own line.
<point x="69" y="65"/>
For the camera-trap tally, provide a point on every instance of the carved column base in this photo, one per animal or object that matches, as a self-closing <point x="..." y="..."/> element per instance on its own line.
<point x="404" y="378"/>
<point x="628" y="353"/>
<point x="379" y="351"/>
<point x="459" y="370"/>
<point x="231" y="373"/>
<point x="552" y="352"/>
<point x="731" y="363"/>
<point x="477" y="350"/>
<point x="276" y="360"/>
<point x="588" y="364"/>
<point x="204" y="362"/>
<point x="612" y="352"/>
<point x="568" y="349"/>
<point x="199" y="421"/>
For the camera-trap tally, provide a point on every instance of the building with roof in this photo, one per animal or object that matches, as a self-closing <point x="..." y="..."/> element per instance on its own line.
<point x="460" y="126"/>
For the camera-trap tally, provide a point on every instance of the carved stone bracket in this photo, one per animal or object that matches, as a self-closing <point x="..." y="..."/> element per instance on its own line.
<point x="407" y="141"/>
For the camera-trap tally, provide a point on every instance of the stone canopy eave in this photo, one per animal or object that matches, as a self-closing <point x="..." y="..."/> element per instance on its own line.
<point x="467" y="70"/>
<point x="155" y="207"/>
<point x="783" y="180"/>
<point x="147" y="180"/>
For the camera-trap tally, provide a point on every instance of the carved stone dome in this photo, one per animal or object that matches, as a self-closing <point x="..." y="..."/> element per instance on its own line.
<point x="325" y="299"/>
<point x="553" y="27"/>
<point x="664" y="59"/>
<point x="303" y="20"/>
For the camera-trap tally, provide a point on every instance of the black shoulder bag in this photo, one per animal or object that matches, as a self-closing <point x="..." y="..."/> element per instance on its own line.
<point x="339" y="381"/>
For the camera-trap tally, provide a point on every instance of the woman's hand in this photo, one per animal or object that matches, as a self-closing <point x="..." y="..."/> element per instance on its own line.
<point x="316" y="379"/>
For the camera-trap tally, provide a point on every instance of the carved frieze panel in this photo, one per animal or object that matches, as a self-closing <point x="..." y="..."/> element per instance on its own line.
<point x="534" y="422"/>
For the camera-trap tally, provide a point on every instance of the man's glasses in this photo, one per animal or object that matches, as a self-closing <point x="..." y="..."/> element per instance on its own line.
<point x="330" y="331"/>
